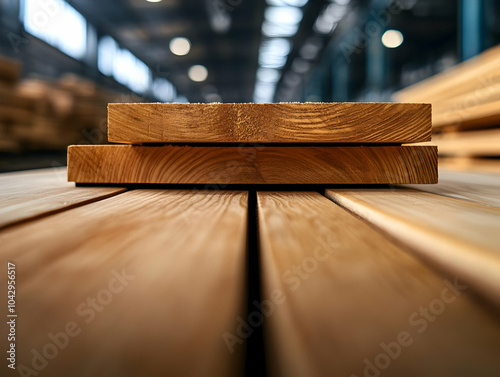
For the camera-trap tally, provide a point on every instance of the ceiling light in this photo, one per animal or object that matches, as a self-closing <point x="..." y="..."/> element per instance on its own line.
<point x="330" y="17"/>
<point x="341" y="2"/>
<point x="310" y="49"/>
<point x="273" y="53"/>
<point x="213" y="97"/>
<point x="392" y="38"/>
<point x="283" y="15"/>
<point x="324" y="25"/>
<point x="268" y="75"/>
<point x="264" y="92"/>
<point x="153" y="1"/>
<point x="300" y="65"/>
<point x="180" y="46"/>
<point x="293" y="3"/>
<point x="276" y="30"/>
<point x="198" y="73"/>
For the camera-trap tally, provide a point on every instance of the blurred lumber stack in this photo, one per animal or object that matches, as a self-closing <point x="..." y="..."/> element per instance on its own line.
<point x="10" y="70"/>
<point x="466" y="107"/>
<point x="48" y="114"/>
<point x="12" y="106"/>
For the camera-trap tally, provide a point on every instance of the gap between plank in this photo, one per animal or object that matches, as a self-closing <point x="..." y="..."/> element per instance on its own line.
<point x="62" y="209"/>
<point x="429" y="262"/>
<point x="255" y="360"/>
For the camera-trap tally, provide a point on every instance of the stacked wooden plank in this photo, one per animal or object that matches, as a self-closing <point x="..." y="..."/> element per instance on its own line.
<point x="466" y="106"/>
<point x="10" y="105"/>
<point x="286" y="143"/>
<point x="45" y="114"/>
<point x="10" y="70"/>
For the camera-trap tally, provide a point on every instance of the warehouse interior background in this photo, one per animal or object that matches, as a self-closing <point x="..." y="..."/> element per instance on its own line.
<point x="64" y="61"/>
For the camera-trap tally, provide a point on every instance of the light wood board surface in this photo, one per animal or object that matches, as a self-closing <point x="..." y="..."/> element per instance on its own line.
<point x="471" y="165"/>
<point x="472" y="75"/>
<point x="25" y="195"/>
<point x="479" y="188"/>
<point x="469" y="144"/>
<point x="181" y="259"/>
<point x="489" y="92"/>
<point x="269" y="123"/>
<point x="482" y="115"/>
<point x="344" y="294"/>
<point x="252" y="165"/>
<point x="458" y="236"/>
<point x="466" y="96"/>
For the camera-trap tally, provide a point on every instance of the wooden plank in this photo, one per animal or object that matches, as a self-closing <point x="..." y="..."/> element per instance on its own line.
<point x="252" y="165"/>
<point x="469" y="144"/>
<point x="344" y="295"/>
<point x="466" y="96"/>
<point x="470" y="165"/>
<point x="269" y="123"/>
<point x="471" y="178"/>
<point x="482" y="115"/>
<point x="181" y="258"/>
<point x="25" y="195"/>
<point x="490" y="92"/>
<point x="478" y="188"/>
<point x="11" y="97"/>
<point x="459" y="237"/>
<point x="471" y="76"/>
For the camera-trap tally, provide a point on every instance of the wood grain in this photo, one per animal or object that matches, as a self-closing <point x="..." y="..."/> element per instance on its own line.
<point x="468" y="117"/>
<point x="252" y="165"/>
<point x="466" y="96"/>
<point x="269" y="123"/>
<point x="458" y="236"/>
<point x="489" y="92"/>
<point x="342" y="290"/>
<point x="186" y="253"/>
<point x="470" y="76"/>
<point x="471" y="165"/>
<point x="478" y="188"/>
<point x="25" y="195"/>
<point x="469" y="144"/>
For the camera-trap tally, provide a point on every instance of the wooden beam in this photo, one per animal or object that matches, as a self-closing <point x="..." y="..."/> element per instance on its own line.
<point x="36" y="193"/>
<point x="480" y="95"/>
<point x="478" y="188"/>
<point x="458" y="236"/>
<point x="269" y="123"/>
<point x="11" y="97"/>
<point x="252" y="165"/>
<point x="470" y="165"/>
<point x="340" y="299"/>
<point x="481" y="115"/>
<point x="473" y="75"/>
<point x="144" y="283"/>
<point x="466" y="96"/>
<point x="470" y="143"/>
